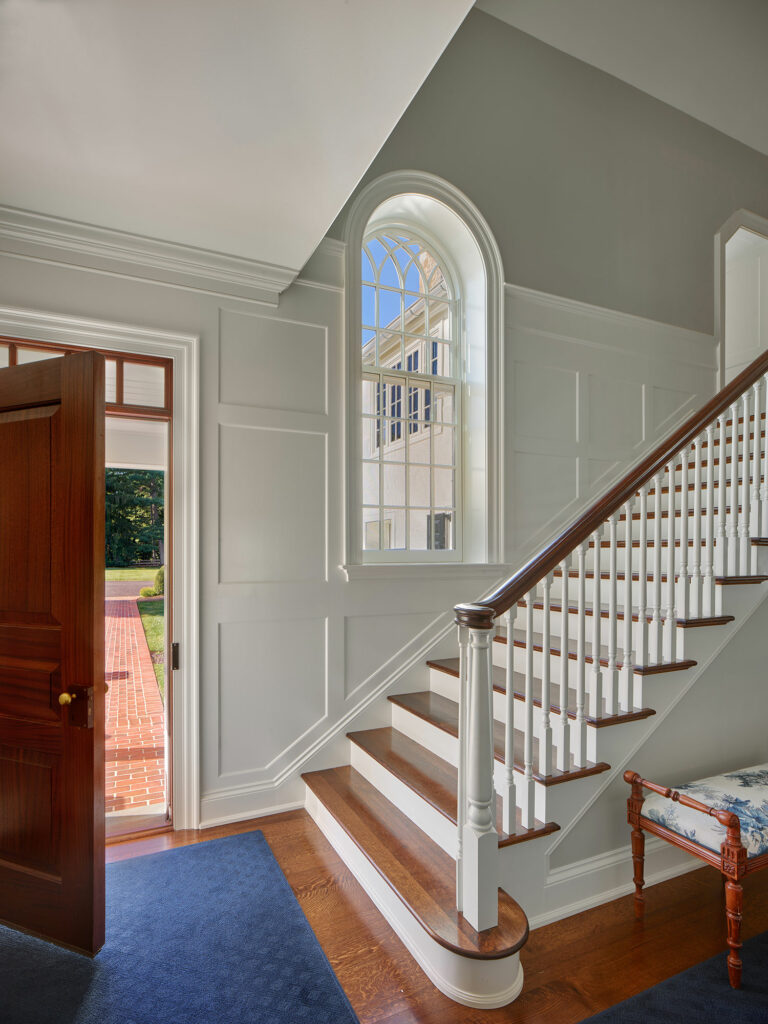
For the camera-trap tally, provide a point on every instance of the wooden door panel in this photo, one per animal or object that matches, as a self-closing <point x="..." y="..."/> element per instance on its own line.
<point x="52" y="643"/>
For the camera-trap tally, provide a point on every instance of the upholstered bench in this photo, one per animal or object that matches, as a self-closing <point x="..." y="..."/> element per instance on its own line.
<point x="723" y="820"/>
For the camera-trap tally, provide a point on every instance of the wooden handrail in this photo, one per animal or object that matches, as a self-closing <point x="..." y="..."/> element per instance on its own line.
<point x="480" y="614"/>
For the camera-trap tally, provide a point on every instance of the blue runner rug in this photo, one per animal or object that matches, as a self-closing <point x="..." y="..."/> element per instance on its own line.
<point x="702" y="994"/>
<point x="204" y="934"/>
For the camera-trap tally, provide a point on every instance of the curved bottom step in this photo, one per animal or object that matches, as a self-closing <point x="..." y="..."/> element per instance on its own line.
<point x="411" y="882"/>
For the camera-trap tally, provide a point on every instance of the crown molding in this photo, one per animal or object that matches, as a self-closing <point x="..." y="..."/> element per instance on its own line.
<point x="39" y="236"/>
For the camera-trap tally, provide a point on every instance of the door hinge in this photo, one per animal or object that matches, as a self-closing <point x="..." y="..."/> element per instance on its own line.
<point x="174" y="657"/>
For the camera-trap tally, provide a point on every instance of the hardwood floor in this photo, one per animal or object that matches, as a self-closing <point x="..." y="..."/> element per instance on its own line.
<point x="573" y="968"/>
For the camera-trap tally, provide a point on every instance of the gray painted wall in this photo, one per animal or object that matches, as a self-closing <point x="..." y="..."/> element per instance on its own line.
<point x="595" y="190"/>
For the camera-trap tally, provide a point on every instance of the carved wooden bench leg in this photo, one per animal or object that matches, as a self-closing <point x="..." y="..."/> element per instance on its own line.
<point x="634" y="808"/>
<point x="733" y="907"/>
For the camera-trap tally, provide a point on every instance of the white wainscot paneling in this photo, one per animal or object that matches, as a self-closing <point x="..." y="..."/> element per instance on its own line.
<point x="271" y="672"/>
<point x="371" y="641"/>
<point x="598" y="470"/>
<point x="546" y="402"/>
<point x="271" y="505"/>
<point x="272" y="364"/>
<point x="543" y="485"/>
<point x="667" y="407"/>
<point x="615" y="412"/>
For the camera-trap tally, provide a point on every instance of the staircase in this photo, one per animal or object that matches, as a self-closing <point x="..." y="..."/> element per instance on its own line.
<point x="447" y="815"/>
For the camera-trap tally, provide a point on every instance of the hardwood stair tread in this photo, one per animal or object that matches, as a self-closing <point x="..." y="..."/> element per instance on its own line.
<point x="573" y="609"/>
<point x="554" y="649"/>
<point x="434" y="779"/>
<point x="451" y="667"/>
<point x="444" y="714"/>
<point x="730" y="581"/>
<point x="417" y="870"/>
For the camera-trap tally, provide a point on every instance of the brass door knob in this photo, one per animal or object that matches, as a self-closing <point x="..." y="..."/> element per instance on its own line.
<point x="66" y="698"/>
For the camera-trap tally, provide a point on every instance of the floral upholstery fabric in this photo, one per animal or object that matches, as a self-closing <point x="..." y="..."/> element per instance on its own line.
<point x="745" y="792"/>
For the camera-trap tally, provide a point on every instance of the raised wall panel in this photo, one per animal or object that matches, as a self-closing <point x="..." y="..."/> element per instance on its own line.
<point x="272" y="518"/>
<point x="272" y="688"/>
<point x="372" y="640"/>
<point x="545" y="402"/>
<point x="272" y="364"/>
<point x="668" y="406"/>
<point x="615" y="412"/>
<point x="543" y="485"/>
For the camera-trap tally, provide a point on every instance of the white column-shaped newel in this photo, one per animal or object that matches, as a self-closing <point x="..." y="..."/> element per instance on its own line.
<point x="612" y="670"/>
<point x="721" y="541"/>
<point x="696" y="578"/>
<point x="670" y="624"/>
<point x="744" y="529"/>
<point x="461" y="787"/>
<point x="642" y="581"/>
<point x="509" y="797"/>
<point x="564" y="726"/>
<point x="527" y="789"/>
<point x="657" y="630"/>
<point x="480" y="854"/>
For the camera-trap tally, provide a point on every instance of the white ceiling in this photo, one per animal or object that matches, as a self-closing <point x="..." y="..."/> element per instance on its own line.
<point x="240" y="126"/>
<point x="705" y="57"/>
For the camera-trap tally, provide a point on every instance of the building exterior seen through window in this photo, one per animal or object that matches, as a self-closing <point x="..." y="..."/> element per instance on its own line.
<point x="411" y="397"/>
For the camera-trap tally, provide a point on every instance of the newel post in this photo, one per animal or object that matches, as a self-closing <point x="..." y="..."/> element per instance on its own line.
<point x="480" y="841"/>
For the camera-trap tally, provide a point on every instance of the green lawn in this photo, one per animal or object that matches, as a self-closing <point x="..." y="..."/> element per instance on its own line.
<point x="129" y="575"/>
<point x="152" y="614"/>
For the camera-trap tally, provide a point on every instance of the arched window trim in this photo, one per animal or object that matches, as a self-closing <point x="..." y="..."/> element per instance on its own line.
<point x="483" y="512"/>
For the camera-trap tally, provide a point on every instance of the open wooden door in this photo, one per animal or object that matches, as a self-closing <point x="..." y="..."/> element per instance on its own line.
<point x="52" y="649"/>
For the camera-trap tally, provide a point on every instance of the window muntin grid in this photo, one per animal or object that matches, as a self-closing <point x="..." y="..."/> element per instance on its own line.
<point x="411" y="398"/>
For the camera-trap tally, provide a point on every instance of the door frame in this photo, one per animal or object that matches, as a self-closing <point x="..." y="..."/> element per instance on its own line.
<point x="739" y="219"/>
<point x="183" y="349"/>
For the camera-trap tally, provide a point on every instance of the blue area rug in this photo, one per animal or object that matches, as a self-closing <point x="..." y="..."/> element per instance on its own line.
<point x="702" y="994"/>
<point x="204" y="934"/>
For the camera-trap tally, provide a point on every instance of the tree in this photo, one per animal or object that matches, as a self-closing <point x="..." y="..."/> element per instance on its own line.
<point x="135" y="516"/>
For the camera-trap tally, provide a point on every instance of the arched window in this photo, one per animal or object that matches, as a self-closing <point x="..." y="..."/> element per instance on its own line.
<point x="424" y="376"/>
<point x="411" y="362"/>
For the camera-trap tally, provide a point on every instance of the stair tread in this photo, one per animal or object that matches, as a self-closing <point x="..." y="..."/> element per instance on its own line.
<point x="726" y="581"/>
<point x="444" y="714"/>
<point x="672" y="666"/>
<point x="589" y="609"/>
<point x="451" y="667"/>
<point x="434" y="779"/>
<point x="417" y="870"/>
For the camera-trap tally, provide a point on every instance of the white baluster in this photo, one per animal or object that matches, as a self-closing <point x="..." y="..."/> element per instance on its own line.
<point x="461" y="787"/>
<point x="545" y="743"/>
<point x="480" y="855"/>
<point x="721" y="544"/>
<point x="708" y="583"/>
<point x="626" y="694"/>
<point x="642" y="582"/>
<point x="733" y="517"/>
<point x="596" y="682"/>
<point x="683" y="578"/>
<point x="744" y="532"/>
<point x="656" y="644"/>
<point x="612" y="672"/>
<point x="670" y="624"/>
<point x="509" y="804"/>
<point x="756" y="511"/>
<point x="563" y="736"/>
<point x="764" y="483"/>
<point x="580" y="725"/>
<point x="695" y="589"/>
<point x="527" y="789"/>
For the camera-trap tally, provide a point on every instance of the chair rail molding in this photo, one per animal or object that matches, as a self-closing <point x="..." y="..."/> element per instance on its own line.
<point x="183" y="349"/>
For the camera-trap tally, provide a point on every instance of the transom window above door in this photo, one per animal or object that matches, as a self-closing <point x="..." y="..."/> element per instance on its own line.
<point x="411" y="399"/>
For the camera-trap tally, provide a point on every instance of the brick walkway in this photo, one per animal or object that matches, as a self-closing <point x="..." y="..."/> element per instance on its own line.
<point x="135" y="744"/>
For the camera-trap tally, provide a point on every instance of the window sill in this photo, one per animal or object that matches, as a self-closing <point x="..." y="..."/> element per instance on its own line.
<point x="424" y="570"/>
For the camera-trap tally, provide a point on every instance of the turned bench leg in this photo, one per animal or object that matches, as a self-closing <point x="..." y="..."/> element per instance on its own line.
<point x="638" y="861"/>
<point x="733" y="906"/>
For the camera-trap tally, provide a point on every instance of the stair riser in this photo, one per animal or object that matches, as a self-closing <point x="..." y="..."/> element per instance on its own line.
<point x="556" y="663"/>
<point x="478" y="983"/>
<point x="446" y="746"/>
<point x="420" y="811"/>
<point x="556" y="594"/>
